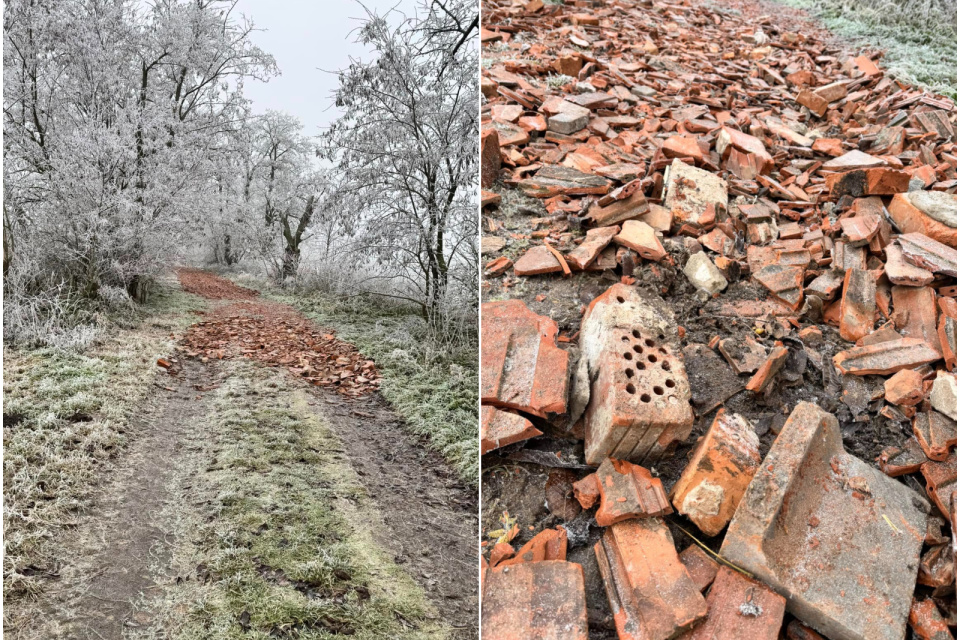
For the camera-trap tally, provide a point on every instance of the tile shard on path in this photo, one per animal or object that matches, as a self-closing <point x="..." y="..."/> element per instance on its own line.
<point x="521" y="366"/>
<point x="534" y="600"/>
<point x="651" y="595"/>
<point x="739" y="608"/>
<point x="720" y="468"/>
<point x="855" y="532"/>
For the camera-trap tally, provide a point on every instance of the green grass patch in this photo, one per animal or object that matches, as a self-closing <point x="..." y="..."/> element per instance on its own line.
<point x="430" y="378"/>
<point x="283" y="541"/>
<point x="65" y="416"/>
<point x="919" y="37"/>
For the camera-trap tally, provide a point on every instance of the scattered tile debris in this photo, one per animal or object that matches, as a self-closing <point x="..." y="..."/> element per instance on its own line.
<point x="777" y="216"/>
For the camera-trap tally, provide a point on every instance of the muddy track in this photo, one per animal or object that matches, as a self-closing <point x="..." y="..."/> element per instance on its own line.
<point x="431" y="516"/>
<point x="122" y="546"/>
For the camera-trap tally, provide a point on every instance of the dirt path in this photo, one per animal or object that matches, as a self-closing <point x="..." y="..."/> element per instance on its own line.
<point x="122" y="549"/>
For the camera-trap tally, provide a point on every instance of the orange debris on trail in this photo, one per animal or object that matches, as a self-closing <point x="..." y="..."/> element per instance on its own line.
<point x="273" y="334"/>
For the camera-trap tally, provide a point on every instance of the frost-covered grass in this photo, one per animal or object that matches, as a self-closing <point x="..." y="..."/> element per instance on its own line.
<point x="65" y="416"/>
<point x="431" y="378"/>
<point x="283" y="531"/>
<point x="919" y="37"/>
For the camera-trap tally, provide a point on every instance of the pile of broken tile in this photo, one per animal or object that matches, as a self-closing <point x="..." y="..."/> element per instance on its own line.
<point x="802" y="196"/>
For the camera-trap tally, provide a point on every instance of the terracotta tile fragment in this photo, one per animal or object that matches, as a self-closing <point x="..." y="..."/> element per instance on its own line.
<point x="932" y="213"/>
<point x="899" y="271"/>
<point x="690" y="190"/>
<point x="938" y="569"/>
<point x="810" y="499"/>
<point x="744" y="356"/>
<point x="700" y="565"/>
<point x="650" y="592"/>
<point x="549" y="544"/>
<point x="941" y="480"/>
<point x="720" y="468"/>
<point x="766" y="373"/>
<point x="927" y="623"/>
<point x="868" y="182"/>
<point x="904" y="388"/>
<point x="536" y="261"/>
<point x="936" y="433"/>
<point x="521" y="366"/>
<point x="618" y="211"/>
<point x="885" y="358"/>
<point x="784" y="282"/>
<point x="534" y="600"/>
<point x="682" y="147"/>
<point x="739" y="607"/>
<point x="918" y="306"/>
<point x="554" y="180"/>
<point x="625" y="490"/>
<point x="858" y="306"/>
<point x="595" y="242"/>
<point x="500" y="428"/>
<point x="897" y="461"/>
<point x="497" y="267"/>
<point x="641" y="237"/>
<point x="929" y="254"/>
<point x="489" y="157"/>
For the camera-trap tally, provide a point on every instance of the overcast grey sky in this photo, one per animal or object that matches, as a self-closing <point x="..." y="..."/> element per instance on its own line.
<point x="305" y="36"/>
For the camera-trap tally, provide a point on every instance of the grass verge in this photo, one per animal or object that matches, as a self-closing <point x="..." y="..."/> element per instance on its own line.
<point x="281" y="544"/>
<point x="431" y="380"/>
<point x="65" y="416"/>
<point x="919" y="37"/>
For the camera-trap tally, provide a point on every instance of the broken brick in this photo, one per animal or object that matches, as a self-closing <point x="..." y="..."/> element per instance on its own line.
<point x="899" y="271"/>
<point x="738" y="607"/>
<point x="500" y="428"/>
<point x="554" y="180"/>
<point x="636" y="390"/>
<point x="650" y="592"/>
<point x="720" y="468"/>
<point x="521" y="366"/>
<point x="938" y="569"/>
<point x="729" y="139"/>
<point x="534" y="600"/>
<point x="815" y="506"/>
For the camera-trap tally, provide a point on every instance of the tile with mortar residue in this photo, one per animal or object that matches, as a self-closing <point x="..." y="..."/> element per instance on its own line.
<point x="720" y="468"/>
<point x="836" y="537"/>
